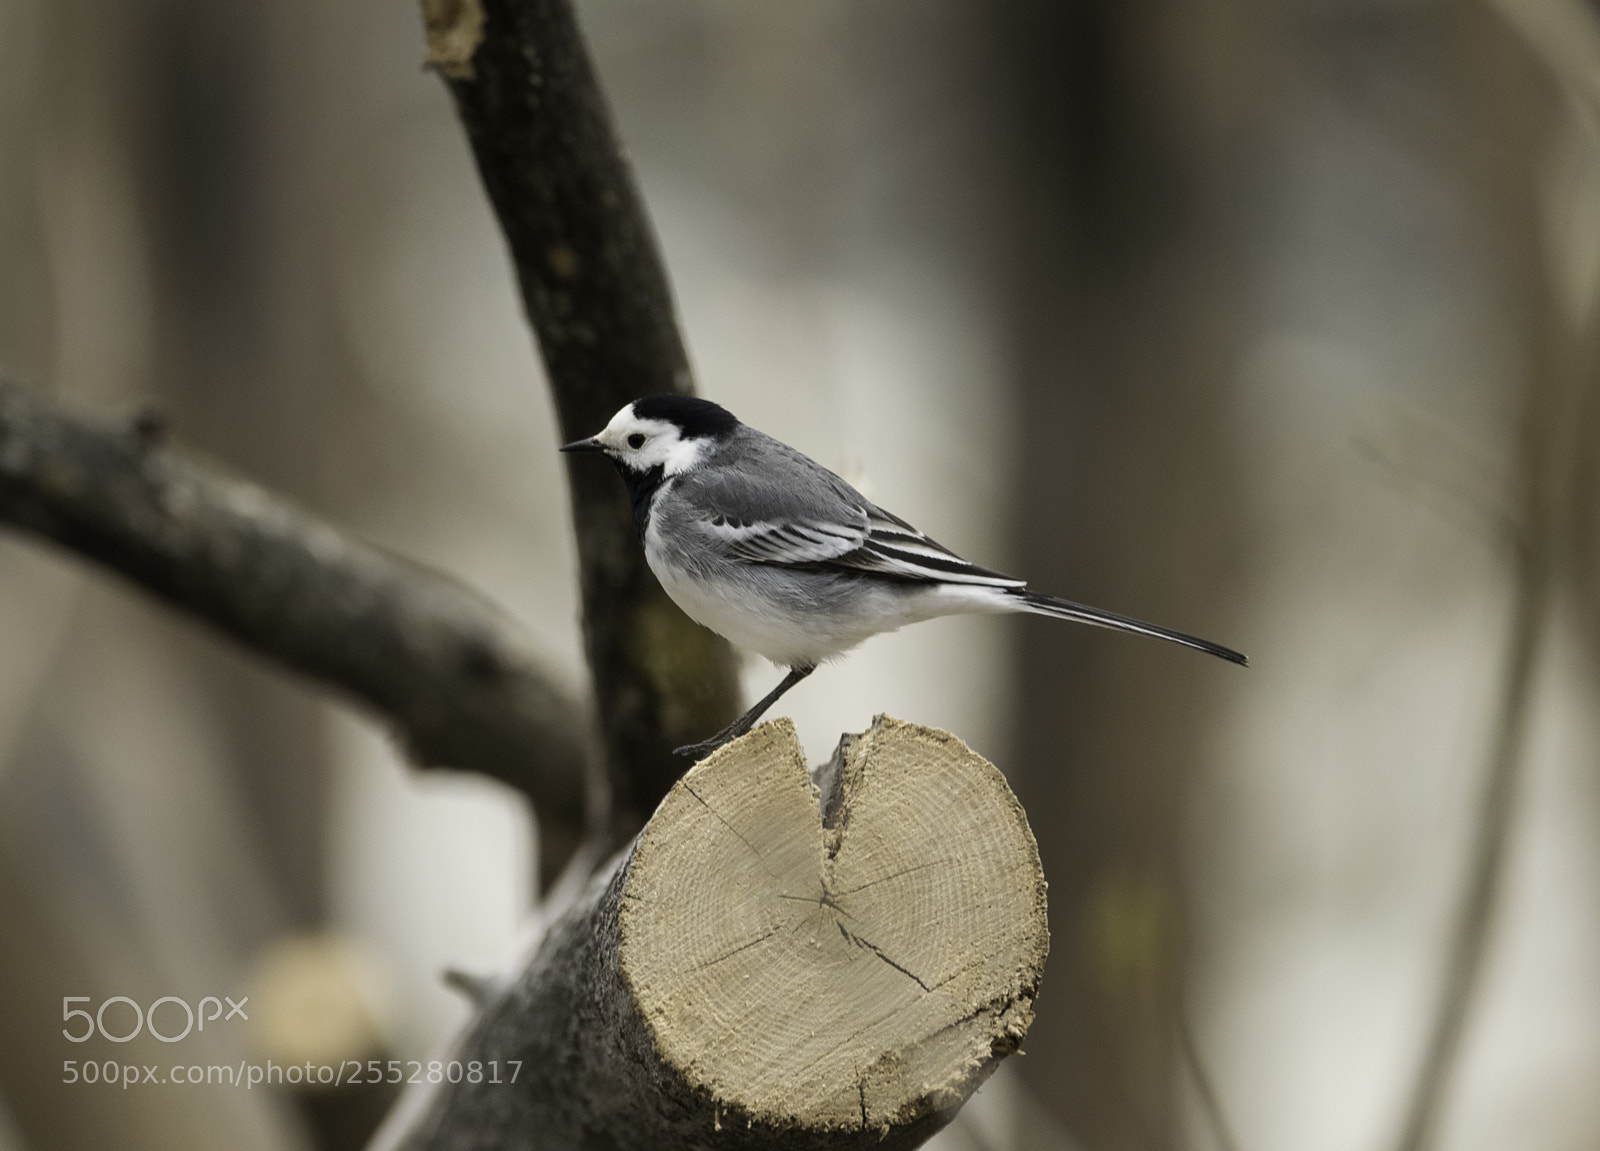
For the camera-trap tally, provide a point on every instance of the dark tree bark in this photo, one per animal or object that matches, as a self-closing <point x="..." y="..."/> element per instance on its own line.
<point x="596" y="291"/>
<point x="453" y="675"/>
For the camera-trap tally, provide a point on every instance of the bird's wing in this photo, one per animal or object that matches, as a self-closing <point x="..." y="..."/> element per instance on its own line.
<point x="787" y="541"/>
<point x="894" y="548"/>
<point x="776" y="506"/>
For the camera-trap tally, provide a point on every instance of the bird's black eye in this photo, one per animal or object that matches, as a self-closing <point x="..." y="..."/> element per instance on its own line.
<point x="636" y="441"/>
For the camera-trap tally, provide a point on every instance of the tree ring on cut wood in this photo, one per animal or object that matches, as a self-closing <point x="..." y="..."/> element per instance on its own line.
<point x="856" y="965"/>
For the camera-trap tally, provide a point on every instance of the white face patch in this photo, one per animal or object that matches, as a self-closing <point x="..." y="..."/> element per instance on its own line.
<point x="644" y="444"/>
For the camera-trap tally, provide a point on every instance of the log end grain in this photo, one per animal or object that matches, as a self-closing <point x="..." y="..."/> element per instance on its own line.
<point x="860" y="974"/>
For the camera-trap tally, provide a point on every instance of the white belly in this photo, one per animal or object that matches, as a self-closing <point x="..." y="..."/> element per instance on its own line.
<point x="797" y="618"/>
<point x="771" y="630"/>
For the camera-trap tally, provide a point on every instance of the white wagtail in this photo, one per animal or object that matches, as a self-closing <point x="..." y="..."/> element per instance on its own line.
<point x="769" y="549"/>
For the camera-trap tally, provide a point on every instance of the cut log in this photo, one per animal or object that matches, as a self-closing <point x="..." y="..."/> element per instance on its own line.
<point x="766" y="970"/>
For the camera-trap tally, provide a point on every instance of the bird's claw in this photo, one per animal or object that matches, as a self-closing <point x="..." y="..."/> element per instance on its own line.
<point x="705" y="747"/>
<point x="727" y="735"/>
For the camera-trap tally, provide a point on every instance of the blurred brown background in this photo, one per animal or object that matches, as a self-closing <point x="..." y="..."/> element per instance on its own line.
<point x="1261" y="320"/>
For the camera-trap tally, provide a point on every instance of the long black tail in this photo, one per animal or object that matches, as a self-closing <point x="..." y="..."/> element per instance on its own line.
<point x="1082" y="613"/>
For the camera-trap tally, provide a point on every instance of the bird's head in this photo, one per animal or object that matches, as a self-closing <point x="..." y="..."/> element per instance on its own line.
<point x="668" y="432"/>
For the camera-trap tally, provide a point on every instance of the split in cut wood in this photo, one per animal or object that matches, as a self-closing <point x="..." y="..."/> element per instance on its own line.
<point x="770" y="968"/>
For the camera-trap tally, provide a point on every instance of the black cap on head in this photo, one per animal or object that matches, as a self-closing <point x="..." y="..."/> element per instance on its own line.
<point x="699" y="419"/>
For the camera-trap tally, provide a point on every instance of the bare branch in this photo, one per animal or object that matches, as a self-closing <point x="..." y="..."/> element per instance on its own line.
<point x="1555" y="414"/>
<point x="1206" y="1087"/>
<point x="1480" y="896"/>
<point x="1559" y="418"/>
<point x="455" y="676"/>
<point x="596" y="291"/>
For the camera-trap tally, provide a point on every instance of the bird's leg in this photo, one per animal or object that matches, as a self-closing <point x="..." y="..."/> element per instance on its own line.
<point x="748" y="720"/>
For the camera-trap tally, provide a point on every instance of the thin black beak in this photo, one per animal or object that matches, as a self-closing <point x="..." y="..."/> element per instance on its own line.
<point x="589" y="445"/>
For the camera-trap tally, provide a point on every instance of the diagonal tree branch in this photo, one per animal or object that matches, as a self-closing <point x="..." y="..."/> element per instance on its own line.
<point x="455" y="676"/>
<point x="595" y="289"/>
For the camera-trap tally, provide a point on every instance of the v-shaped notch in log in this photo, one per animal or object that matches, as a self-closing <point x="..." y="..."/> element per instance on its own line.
<point x="762" y="970"/>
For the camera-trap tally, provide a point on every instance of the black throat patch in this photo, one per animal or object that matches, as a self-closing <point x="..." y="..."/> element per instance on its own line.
<point x="641" y="486"/>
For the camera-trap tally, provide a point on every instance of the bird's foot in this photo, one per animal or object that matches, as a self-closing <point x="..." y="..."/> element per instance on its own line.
<point x="698" y="751"/>
<point x="748" y="720"/>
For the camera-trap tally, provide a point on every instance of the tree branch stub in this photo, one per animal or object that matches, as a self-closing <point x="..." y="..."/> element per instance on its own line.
<point x="757" y="972"/>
